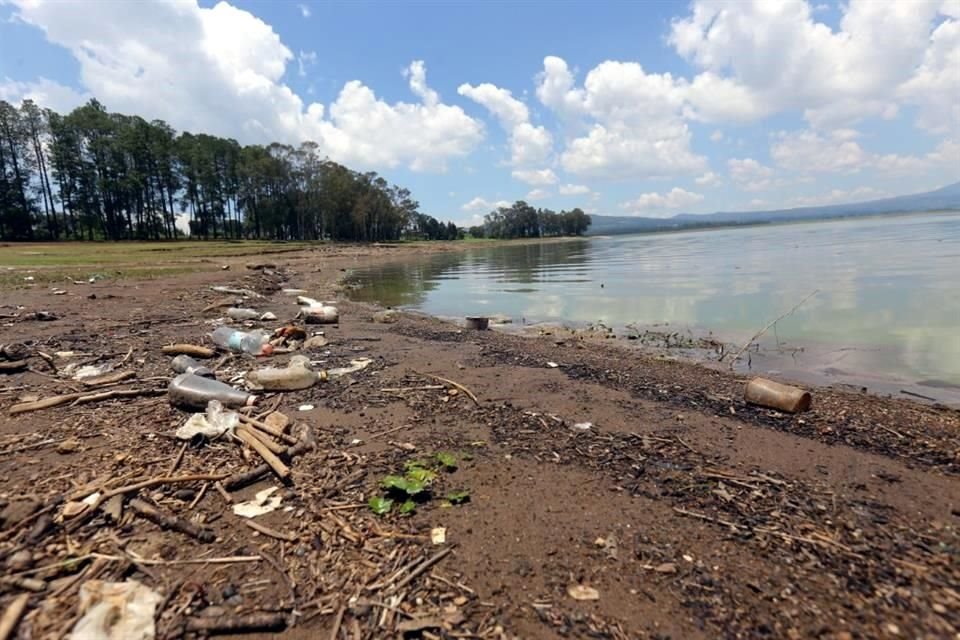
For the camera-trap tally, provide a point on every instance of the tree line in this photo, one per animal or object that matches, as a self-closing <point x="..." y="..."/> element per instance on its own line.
<point x="93" y="175"/>
<point x="522" y="220"/>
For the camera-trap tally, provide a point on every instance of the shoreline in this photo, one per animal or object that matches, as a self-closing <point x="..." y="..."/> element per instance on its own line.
<point x="690" y="512"/>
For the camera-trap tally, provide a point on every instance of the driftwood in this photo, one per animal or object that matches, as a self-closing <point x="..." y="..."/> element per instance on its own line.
<point x="453" y="384"/>
<point x="275" y="463"/>
<point x="189" y="349"/>
<point x="238" y="624"/>
<point x="263" y="426"/>
<point x="82" y="398"/>
<point x="238" y="480"/>
<point x="273" y="533"/>
<point x="263" y="438"/>
<point x="107" y="378"/>
<point x="15" y="365"/>
<point x="167" y="521"/>
<point x="11" y="617"/>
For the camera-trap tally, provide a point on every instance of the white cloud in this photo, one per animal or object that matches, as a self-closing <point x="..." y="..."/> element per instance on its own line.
<point x="709" y="179"/>
<point x="529" y="144"/>
<point x="482" y="204"/>
<point x="654" y="204"/>
<point x="838" y="196"/>
<point x="812" y="152"/>
<point x="538" y="194"/>
<point x="751" y="175"/>
<point x="535" y="176"/>
<point x="304" y="10"/>
<point x="758" y="58"/>
<point x="935" y="86"/>
<point x="573" y="189"/>
<point x="716" y="136"/>
<point x="219" y="70"/>
<point x="633" y="119"/>
<point x="945" y="156"/>
<point x="44" y="92"/>
<point x="305" y="59"/>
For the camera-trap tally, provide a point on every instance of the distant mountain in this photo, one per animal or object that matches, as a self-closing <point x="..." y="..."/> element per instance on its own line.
<point x="945" y="198"/>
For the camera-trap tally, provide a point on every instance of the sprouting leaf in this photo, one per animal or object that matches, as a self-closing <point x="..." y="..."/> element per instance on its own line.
<point x="380" y="505"/>
<point x="466" y="456"/>
<point x="448" y="460"/>
<point x="394" y="482"/>
<point x="412" y="486"/>
<point x="421" y="475"/>
<point x="408" y="507"/>
<point x="458" y="497"/>
<point x="410" y="465"/>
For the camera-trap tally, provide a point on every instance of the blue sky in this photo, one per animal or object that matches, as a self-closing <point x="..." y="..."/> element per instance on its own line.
<point x="627" y="108"/>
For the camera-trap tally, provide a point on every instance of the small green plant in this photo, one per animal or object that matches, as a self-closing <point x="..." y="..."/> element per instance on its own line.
<point x="414" y="486"/>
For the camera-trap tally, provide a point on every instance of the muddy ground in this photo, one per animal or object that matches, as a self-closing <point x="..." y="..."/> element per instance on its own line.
<point x="680" y="511"/>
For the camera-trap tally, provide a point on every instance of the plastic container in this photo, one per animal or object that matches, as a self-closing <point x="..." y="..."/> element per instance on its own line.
<point x="254" y="342"/>
<point x="320" y="314"/>
<point x="235" y="313"/>
<point x="296" y="375"/>
<point x="185" y="364"/>
<point x="190" y="391"/>
<point x="768" y="393"/>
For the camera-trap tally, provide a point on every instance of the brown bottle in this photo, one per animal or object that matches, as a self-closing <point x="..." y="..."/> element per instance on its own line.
<point x="768" y="393"/>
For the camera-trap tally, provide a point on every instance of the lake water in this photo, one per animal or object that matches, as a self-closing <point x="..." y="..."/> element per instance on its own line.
<point x="887" y="314"/>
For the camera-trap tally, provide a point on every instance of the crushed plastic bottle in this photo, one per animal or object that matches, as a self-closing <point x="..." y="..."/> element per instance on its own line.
<point x="239" y="314"/>
<point x="254" y="342"/>
<point x="185" y="364"/>
<point x="296" y="375"/>
<point x="190" y="391"/>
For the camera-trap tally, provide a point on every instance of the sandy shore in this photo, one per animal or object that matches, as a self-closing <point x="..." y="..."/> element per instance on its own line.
<point x="688" y="513"/>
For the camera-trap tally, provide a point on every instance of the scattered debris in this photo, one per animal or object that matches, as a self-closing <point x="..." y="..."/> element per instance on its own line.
<point x="582" y="592"/>
<point x="264" y="502"/>
<point x="116" y="611"/>
<point x="211" y="425"/>
<point x="768" y="393"/>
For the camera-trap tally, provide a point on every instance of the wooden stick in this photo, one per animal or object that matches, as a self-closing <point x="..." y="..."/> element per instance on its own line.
<point x="263" y="438"/>
<point x="82" y="398"/>
<point x="337" y="622"/>
<point x="263" y="426"/>
<point x="168" y="521"/>
<point x="423" y="566"/>
<point x="273" y="533"/>
<point x="239" y="624"/>
<point x="767" y="328"/>
<point x="109" y="378"/>
<point x="223" y="492"/>
<point x="451" y="382"/>
<point x="237" y="480"/>
<point x="275" y="463"/>
<point x="178" y="459"/>
<point x="11" y="617"/>
<point x="189" y="349"/>
<point x="15" y="365"/>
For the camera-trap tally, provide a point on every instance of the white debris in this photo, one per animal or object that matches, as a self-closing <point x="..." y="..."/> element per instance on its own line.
<point x="263" y="502"/>
<point x="116" y="611"/>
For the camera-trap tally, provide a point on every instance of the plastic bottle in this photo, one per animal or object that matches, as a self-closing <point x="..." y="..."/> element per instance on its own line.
<point x="190" y="391"/>
<point x="296" y="375"/>
<point x="185" y="364"/>
<point x="321" y="314"/>
<point x="236" y="313"/>
<point x="255" y="342"/>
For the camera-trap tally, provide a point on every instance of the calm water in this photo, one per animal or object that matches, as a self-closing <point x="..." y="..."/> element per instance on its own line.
<point x="888" y="310"/>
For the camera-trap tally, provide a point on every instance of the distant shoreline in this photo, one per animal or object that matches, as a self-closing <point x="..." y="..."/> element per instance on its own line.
<point x="769" y="223"/>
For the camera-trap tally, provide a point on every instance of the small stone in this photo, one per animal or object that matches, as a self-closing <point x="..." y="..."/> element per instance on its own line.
<point x="315" y="342"/>
<point x="893" y="629"/>
<point x="20" y="561"/>
<point x="70" y="445"/>
<point x="185" y="494"/>
<point x="582" y="592"/>
<point x="229" y="591"/>
<point x="460" y="601"/>
<point x="305" y="407"/>
<point x="666" y="567"/>
<point x="939" y="608"/>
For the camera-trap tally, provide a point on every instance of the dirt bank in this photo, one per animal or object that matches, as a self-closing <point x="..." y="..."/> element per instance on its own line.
<point x="691" y="514"/>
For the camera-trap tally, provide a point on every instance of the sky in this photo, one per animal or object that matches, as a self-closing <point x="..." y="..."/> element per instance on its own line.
<point x="619" y="108"/>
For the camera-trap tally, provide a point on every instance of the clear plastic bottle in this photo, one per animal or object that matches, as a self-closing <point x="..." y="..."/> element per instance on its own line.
<point x="296" y="375"/>
<point x="239" y="314"/>
<point x="253" y="342"/>
<point x="189" y="391"/>
<point x="185" y="364"/>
